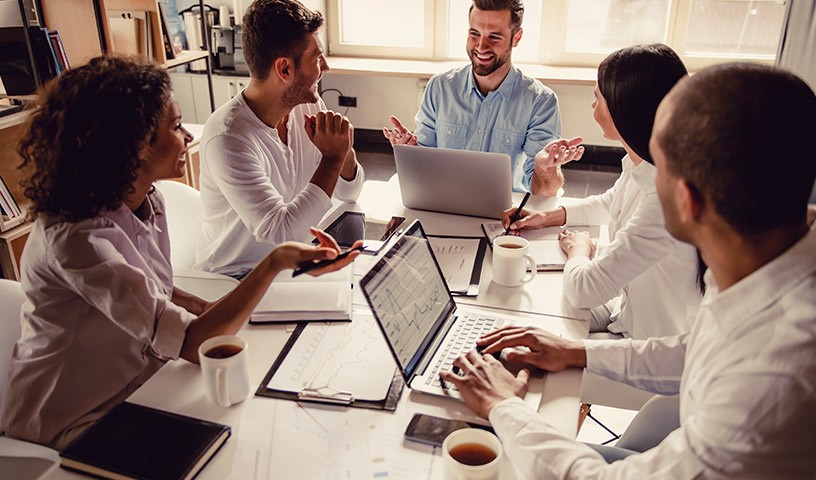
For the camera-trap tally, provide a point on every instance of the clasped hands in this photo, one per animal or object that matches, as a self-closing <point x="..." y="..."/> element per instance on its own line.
<point x="484" y="381"/>
<point x="331" y="133"/>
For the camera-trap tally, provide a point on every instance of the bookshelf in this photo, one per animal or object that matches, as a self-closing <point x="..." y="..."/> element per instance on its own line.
<point x="85" y="30"/>
<point x="186" y="56"/>
<point x="14" y="231"/>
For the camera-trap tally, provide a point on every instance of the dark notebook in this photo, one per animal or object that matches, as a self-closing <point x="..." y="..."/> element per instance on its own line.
<point x="136" y="442"/>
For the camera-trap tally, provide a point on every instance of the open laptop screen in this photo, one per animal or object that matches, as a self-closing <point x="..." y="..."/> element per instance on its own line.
<point x="409" y="297"/>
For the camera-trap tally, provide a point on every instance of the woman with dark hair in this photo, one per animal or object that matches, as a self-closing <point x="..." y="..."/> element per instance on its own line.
<point x="101" y="314"/>
<point x="643" y="284"/>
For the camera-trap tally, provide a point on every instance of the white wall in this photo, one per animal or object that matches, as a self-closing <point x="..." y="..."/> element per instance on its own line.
<point x="378" y="97"/>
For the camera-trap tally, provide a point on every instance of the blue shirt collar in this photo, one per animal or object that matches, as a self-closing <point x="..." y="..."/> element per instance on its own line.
<point x="506" y="88"/>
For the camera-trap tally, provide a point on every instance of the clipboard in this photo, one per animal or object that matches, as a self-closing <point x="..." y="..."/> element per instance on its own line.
<point x="472" y="289"/>
<point x="327" y="395"/>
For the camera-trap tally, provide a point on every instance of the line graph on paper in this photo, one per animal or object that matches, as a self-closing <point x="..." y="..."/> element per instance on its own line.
<point x="408" y="296"/>
<point x="457" y="258"/>
<point x="349" y="356"/>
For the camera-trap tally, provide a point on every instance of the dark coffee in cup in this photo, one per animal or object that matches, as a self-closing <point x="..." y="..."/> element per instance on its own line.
<point x="473" y="454"/>
<point x="223" y="351"/>
<point x="510" y="245"/>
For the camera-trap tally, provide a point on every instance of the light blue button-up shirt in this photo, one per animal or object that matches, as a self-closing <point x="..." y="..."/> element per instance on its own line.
<point x="519" y="118"/>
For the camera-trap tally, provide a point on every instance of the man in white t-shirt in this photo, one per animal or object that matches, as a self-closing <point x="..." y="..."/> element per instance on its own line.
<point x="273" y="157"/>
<point x="746" y="372"/>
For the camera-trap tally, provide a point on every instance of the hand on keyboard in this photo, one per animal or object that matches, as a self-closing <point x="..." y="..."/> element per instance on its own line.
<point x="479" y="349"/>
<point x="535" y="347"/>
<point x="485" y="382"/>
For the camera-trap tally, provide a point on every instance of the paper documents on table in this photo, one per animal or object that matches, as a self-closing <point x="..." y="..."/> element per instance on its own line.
<point x="306" y="298"/>
<point x="544" y="247"/>
<point x="338" y="357"/>
<point x="460" y="259"/>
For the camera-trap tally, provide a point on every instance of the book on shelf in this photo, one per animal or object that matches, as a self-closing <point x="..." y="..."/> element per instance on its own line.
<point x="306" y="298"/>
<point x="170" y="50"/>
<point x="10" y="206"/>
<point x="44" y="56"/>
<point x="59" y="50"/>
<point x="544" y="246"/>
<point x="134" y="441"/>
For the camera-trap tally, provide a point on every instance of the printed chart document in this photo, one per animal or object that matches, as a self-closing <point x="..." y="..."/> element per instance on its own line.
<point x="460" y="259"/>
<point x="544" y="247"/>
<point x="307" y="298"/>
<point x="333" y="358"/>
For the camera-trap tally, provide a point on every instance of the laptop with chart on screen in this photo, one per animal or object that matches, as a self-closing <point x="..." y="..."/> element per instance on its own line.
<point x="422" y="324"/>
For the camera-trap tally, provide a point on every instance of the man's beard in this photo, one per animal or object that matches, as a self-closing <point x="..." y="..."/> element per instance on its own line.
<point x="299" y="92"/>
<point x="485" y="70"/>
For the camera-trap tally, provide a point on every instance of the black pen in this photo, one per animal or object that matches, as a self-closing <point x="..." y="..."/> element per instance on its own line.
<point x="309" y="266"/>
<point x="517" y="212"/>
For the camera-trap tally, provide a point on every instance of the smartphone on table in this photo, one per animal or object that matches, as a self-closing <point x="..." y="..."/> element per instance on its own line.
<point x="352" y="226"/>
<point x="432" y="430"/>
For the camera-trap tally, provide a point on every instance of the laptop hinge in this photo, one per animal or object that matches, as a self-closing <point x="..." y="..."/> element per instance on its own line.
<point x="430" y="352"/>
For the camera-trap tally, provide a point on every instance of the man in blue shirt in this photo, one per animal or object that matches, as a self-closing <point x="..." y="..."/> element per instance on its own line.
<point x="490" y="105"/>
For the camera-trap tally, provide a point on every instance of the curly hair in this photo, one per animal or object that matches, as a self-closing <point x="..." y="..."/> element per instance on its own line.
<point x="84" y="140"/>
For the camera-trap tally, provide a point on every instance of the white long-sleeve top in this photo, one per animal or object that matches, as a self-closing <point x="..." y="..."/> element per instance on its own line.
<point x="746" y="375"/>
<point x="255" y="189"/>
<point x="98" y="319"/>
<point x="654" y="274"/>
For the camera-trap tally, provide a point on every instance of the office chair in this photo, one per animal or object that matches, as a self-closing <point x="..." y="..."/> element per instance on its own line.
<point x="11" y="297"/>
<point x="659" y="417"/>
<point x="18" y="459"/>
<point x="183" y="209"/>
<point x="183" y="205"/>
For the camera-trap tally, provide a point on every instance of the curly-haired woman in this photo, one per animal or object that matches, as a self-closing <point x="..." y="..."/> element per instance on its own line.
<point x="101" y="314"/>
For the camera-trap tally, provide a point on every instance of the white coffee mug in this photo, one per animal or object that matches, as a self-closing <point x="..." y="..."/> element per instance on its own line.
<point x="511" y="261"/>
<point x="225" y="365"/>
<point x="468" y="446"/>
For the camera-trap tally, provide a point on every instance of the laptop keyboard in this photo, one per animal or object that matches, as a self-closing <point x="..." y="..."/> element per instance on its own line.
<point x="469" y="327"/>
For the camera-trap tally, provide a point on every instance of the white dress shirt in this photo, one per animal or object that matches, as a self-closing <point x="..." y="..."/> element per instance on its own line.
<point x="97" y="322"/>
<point x="256" y="190"/>
<point x="654" y="274"/>
<point x="746" y="375"/>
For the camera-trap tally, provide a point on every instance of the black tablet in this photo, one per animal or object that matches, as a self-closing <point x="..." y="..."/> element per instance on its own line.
<point x="352" y="226"/>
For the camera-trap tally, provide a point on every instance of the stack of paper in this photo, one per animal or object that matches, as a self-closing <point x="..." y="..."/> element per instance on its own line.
<point x="307" y="298"/>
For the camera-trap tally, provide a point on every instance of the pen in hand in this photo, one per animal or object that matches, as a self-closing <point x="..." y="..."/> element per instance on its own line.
<point x="517" y="212"/>
<point x="309" y="266"/>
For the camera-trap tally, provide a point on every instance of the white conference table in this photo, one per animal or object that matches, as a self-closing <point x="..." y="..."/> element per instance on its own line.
<point x="381" y="200"/>
<point x="274" y="438"/>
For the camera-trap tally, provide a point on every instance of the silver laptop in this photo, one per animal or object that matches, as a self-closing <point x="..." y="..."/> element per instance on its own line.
<point x="422" y="325"/>
<point x="463" y="182"/>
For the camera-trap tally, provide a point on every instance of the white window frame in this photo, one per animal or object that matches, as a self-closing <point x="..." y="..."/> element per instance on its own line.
<point x="551" y="51"/>
<point x="334" y="20"/>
